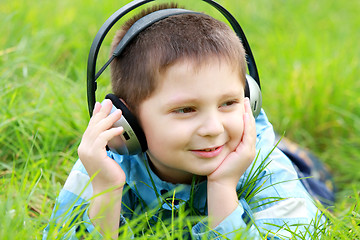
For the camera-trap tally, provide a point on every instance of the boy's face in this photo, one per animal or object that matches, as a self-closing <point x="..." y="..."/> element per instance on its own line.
<point x="193" y="120"/>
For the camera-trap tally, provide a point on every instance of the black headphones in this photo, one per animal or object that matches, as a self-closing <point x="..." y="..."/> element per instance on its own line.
<point x="133" y="140"/>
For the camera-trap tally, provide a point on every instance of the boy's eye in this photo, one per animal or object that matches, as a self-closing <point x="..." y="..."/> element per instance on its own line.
<point x="229" y="103"/>
<point x="184" y="110"/>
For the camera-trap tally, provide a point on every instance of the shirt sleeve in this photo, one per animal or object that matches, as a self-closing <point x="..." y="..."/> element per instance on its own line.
<point x="88" y="228"/>
<point x="232" y="226"/>
<point x="70" y="219"/>
<point x="279" y="208"/>
<point x="69" y="214"/>
<point x="280" y="205"/>
<point x="273" y="203"/>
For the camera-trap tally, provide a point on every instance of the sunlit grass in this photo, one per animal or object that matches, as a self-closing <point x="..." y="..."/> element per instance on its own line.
<point x="308" y="58"/>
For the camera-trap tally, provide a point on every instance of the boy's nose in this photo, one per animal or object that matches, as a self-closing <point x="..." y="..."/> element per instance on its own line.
<point x="211" y="126"/>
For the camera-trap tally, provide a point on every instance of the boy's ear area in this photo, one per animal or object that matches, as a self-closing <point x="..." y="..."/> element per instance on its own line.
<point x="132" y="110"/>
<point x="116" y="101"/>
<point x="123" y="101"/>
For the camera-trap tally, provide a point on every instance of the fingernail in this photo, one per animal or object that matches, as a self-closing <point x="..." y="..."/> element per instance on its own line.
<point x="247" y="101"/>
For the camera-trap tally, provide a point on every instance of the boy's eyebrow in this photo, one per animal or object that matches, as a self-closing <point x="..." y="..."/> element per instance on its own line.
<point x="233" y="95"/>
<point x="183" y="100"/>
<point x="180" y="100"/>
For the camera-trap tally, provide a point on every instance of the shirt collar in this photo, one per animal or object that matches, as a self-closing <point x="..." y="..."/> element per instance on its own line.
<point x="151" y="189"/>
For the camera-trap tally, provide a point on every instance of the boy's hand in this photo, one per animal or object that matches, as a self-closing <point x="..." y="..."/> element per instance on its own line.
<point x="221" y="186"/>
<point x="92" y="149"/>
<point x="235" y="164"/>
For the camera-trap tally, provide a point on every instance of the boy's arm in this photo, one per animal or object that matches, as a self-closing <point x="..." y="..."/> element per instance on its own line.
<point x="107" y="176"/>
<point x="221" y="185"/>
<point x="280" y="207"/>
<point x="70" y="216"/>
<point x="104" y="212"/>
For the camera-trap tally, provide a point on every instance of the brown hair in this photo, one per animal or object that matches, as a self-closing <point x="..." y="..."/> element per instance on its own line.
<point x="186" y="36"/>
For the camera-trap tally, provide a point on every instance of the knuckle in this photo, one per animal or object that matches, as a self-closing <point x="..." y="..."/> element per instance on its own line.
<point x="81" y="151"/>
<point x="84" y="152"/>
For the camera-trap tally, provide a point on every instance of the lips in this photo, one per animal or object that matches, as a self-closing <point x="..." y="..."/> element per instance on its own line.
<point x="209" y="149"/>
<point x="208" y="152"/>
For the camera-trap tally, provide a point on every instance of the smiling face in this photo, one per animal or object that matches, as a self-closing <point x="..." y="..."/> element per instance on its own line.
<point x="193" y="119"/>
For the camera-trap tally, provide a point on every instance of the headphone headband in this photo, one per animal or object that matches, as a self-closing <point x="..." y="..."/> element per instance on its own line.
<point x="158" y="15"/>
<point x="138" y="27"/>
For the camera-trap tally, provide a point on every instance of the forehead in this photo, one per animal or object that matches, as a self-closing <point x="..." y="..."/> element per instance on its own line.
<point x="187" y="77"/>
<point x="197" y="63"/>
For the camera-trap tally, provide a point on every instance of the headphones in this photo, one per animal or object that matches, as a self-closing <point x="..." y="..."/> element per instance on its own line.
<point x="133" y="140"/>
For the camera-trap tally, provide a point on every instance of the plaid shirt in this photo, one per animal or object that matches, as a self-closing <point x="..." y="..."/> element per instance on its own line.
<point x="272" y="206"/>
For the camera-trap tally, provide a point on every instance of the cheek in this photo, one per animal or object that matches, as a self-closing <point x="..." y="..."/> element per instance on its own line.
<point x="162" y="136"/>
<point x="166" y="146"/>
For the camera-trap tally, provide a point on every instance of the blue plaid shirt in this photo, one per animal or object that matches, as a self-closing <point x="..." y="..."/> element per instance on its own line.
<point x="272" y="206"/>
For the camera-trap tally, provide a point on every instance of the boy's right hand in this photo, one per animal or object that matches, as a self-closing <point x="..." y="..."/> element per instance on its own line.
<point x="92" y="149"/>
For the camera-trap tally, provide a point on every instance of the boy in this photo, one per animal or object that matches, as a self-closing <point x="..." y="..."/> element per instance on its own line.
<point x="183" y="78"/>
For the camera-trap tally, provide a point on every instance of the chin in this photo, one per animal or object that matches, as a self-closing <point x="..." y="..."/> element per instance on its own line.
<point x="207" y="171"/>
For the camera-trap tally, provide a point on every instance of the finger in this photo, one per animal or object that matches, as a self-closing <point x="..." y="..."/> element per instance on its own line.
<point x="102" y="111"/>
<point x="247" y="105"/>
<point x="250" y="116"/>
<point x="249" y="136"/>
<point x="107" y="135"/>
<point x="109" y="120"/>
<point x="101" y="125"/>
<point x="106" y="107"/>
<point x="97" y="107"/>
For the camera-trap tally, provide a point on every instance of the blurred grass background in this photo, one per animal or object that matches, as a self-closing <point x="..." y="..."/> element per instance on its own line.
<point x="307" y="54"/>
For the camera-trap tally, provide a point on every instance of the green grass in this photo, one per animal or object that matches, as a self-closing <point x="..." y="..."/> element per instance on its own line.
<point x="307" y="53"/>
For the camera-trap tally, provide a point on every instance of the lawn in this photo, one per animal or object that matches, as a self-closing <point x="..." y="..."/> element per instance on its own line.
<point x="308" y="56"/>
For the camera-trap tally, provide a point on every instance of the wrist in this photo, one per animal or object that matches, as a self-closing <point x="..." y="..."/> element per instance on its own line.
<point x="222" y="191"/>
<point x="222" y="184"/>
<point x="104" y="211"/>
<point x="106" y="187"/>
<point x="222" y="201"/>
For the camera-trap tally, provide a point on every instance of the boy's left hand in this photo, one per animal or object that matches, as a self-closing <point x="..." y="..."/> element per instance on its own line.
<point x="221" y="185"/>
<point x="234" y="165"/>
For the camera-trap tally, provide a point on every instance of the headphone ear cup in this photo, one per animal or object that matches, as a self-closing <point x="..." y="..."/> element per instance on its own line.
<point x="253" y="92"/>
<point x="132" y="141"/>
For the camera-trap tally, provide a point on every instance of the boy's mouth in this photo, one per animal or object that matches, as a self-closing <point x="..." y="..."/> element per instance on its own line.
<point x="208" y="152"/>
<point x="208" y="149"/>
